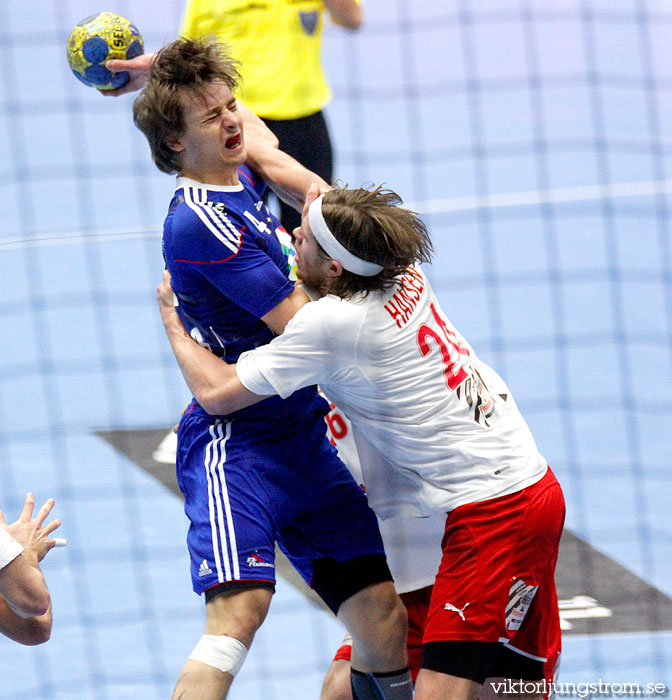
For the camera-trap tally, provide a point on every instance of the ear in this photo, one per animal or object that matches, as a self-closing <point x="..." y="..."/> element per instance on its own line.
<point x="175" y="145"/>
<point x="334" y="269"/>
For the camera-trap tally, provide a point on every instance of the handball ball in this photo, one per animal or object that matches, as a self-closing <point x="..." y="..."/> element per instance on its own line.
<point x="100" y="38"/>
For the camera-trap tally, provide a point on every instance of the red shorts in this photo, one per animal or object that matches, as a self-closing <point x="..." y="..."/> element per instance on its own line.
<point x="417" y="604"/>
<point x="496" y="578"/>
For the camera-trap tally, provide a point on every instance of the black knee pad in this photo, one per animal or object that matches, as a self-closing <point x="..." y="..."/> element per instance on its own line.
<point x="335" y="581"/>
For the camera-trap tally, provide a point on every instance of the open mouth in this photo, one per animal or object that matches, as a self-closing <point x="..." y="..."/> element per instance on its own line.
<point x="234" y="142"/>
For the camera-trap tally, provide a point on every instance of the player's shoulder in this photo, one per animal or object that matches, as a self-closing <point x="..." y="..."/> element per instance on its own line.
<point x="197" y="222"/>
<point x="254" y="185"/>
<point x="334" y="318"/>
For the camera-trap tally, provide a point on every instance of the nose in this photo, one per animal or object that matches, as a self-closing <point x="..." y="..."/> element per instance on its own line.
<point x="231" y="120"/>
<point x="296" y="234"/>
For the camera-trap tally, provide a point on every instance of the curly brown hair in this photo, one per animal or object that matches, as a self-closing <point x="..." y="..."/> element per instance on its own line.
<point x="184" y="65"/>
<point x="371" y="225"/>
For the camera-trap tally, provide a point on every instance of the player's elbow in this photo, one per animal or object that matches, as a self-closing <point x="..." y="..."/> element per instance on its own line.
<point x="213" y="401"/>
<point x="355" y="21"/>
<point x="37" y="633"/>
<point x="352" y="19"/>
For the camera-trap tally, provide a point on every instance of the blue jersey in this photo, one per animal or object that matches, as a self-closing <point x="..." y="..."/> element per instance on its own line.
<point x="231" y="262"/>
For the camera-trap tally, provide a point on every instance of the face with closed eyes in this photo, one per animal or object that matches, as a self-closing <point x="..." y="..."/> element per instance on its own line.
<point x="212" y="146"/>
<point x="311" y="267"/>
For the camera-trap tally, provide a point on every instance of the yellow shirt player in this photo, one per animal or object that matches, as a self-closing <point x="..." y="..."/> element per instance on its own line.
<point x="278" y="44"/>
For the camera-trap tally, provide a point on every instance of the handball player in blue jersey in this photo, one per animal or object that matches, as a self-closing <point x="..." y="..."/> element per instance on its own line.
<point x="267" y="473"/>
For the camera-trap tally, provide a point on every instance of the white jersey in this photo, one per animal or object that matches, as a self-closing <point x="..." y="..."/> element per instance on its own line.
<point x="9" y="548"/>
<point x="442" y="427"/>
<point x="412" y="545"/>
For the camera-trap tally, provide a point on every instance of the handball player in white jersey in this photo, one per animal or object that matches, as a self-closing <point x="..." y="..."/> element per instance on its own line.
<point x="436" y="429"/>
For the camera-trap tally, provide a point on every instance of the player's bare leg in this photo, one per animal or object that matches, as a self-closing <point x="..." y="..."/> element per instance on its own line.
<point x="336" y="683"/>
<point x="377" y="621"/>
<point x="232" y="618"/>
<point x="432" y="685"/>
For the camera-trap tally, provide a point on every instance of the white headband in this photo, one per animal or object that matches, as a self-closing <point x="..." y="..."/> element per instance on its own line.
<point x="333" y="248"/>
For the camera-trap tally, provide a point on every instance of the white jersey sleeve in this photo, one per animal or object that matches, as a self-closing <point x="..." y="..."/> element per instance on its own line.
<point x="9" y="548"/>
<point x="308" y="352"/>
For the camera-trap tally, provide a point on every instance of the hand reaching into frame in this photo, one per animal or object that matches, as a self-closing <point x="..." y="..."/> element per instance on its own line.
<point x="138" y="70"/>
<point x="28" y="530"/>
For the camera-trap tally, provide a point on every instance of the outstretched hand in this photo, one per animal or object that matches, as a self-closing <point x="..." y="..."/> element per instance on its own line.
<point x="28" y="531"/>
<point x="138" y="69"/>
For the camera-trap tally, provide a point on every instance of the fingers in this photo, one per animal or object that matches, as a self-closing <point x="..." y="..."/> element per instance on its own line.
<point x="138" y="69"/>
<point x="124" y="89"/>
<point x="164" y="292"/>
<point x="44" y="511"/>
<point x="2" y="518"/>
<point x="312" y="194"/>
<point x="118" y="64"/>
<point x="29" y="504"/>
<point x="139" y="63"/>
<point x="165" y="284"/>
<point x="50" y="527"/>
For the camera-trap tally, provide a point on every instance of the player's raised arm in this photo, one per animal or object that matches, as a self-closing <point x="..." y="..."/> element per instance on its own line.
<point x="285" y="176"/>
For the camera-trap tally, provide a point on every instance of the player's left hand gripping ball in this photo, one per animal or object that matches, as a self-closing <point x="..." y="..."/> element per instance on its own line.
<point x="100" y="38"/>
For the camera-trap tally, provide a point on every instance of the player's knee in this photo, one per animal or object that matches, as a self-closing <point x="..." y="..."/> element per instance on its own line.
<point x="382" y="622"/>
<point x="382" y="603"/>
<point x="393" y="614"/>
<point x="247" y="621"/>
<point x="238" y="614"/>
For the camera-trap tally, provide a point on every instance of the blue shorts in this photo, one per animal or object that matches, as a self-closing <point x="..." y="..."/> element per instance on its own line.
<point x="248" y="484"/>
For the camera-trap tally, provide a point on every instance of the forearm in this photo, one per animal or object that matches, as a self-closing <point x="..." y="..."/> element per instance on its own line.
<point x="285" y="176"/>
<point x="345" y="13"/>
<point x="212" y="381"/>
<point x="23" y="587"/>
<point x="28" y="631"/>
<point x="255" y="130"/>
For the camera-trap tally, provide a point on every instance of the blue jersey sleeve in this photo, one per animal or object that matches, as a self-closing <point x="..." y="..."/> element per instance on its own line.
<point x="221" y="249"/>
